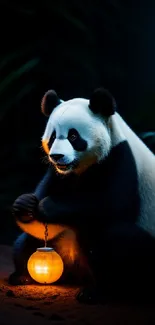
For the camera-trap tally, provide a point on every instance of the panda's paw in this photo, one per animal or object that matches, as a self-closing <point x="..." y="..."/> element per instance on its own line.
<point x="91" y="296"/>
<point x="16" y="279"/>
<point x="25" y="207"/>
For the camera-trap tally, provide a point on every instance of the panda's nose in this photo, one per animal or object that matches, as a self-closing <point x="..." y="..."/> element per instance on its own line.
<point x="56" y="157"/>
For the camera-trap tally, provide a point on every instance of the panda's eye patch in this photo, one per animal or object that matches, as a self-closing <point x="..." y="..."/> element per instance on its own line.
<point x="52" y="138"/>
<point x="72" y="135"/>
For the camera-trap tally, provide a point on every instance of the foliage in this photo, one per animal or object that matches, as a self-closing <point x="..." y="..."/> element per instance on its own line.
<point x="60" y="42"/>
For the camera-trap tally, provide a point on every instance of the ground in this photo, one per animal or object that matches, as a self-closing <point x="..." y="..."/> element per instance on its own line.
<point x="57" y="305"/>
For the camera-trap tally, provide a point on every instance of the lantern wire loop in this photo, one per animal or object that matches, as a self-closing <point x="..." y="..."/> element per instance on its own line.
<point x="45" y="249"/>
<point x="46" y="234"/>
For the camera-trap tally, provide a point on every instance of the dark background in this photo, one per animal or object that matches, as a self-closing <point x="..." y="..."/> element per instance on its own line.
<point x="72" y="47"/>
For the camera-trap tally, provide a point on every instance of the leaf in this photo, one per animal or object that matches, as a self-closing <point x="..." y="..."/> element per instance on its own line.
<point x="17" y="74"/>
<point x="15" y="55"/>
<point x="145" y="135"/>
<point x="8" y="103"/>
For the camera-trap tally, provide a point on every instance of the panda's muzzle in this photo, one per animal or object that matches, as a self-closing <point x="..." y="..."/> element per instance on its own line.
<point x="59" y="161"/>
<point x="56" y="157"/>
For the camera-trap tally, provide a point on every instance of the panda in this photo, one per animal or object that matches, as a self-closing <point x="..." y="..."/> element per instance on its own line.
<point x="97" y="198"/>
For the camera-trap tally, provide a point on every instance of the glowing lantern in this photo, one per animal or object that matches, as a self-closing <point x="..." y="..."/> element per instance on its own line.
<point x="45" y="265"/>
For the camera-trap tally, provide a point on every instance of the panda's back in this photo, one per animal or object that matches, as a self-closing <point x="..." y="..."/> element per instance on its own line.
<point x="145" y="166"/>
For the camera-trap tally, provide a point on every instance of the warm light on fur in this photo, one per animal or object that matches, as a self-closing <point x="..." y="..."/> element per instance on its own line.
<point x="92" y="128"/>
<point x="37" y="229"/>
<point x="102" y="134"/>
<point x="45" y="146"/>
<point x="66" y="245"/>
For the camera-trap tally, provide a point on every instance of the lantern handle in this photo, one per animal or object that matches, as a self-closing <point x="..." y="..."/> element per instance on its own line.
<point x="46" y="234"/>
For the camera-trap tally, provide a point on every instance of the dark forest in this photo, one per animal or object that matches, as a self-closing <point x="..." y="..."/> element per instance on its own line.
<point x="73" y="47"/>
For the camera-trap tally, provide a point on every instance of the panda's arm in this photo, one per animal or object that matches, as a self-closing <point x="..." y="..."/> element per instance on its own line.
<point x="68" y="212"/>
<point x="43" y="188"/>
<point x="26" y="205"/>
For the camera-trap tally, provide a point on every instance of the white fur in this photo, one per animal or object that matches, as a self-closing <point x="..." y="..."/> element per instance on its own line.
<point x="76" y="114"/>
<point x="101" y="137"/>
<point x="145" y="162"/>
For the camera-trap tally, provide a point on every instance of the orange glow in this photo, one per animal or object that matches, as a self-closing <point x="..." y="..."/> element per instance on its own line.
<point x="45" y="265"/>
<point x="68" y="246"/>
<point x="45" y="146"/>
<point x="37" y="229"/>
<point x="41" y="269"/>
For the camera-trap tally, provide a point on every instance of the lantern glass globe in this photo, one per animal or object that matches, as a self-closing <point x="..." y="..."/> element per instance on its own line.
<point x="45" y="265"/>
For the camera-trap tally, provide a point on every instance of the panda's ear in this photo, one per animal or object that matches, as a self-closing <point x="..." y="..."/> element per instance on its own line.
<point x="49" y="102"/>
<point x="102" y="102"/>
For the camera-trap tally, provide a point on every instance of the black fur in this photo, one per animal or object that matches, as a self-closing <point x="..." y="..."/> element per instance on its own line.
<point x="102" y="102"/>
<point x="25" y="207"/>
<point x="51" y="140"/>
<point x="76" y="141"/>
<point x="74" y="138"/>
<point x="96" y="204"/>
<point x="49" y="102"/>
<point x="92" y="193"/>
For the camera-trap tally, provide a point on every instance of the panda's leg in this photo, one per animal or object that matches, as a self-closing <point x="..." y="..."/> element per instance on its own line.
<point x="123" y="265"/>
<point x="129" y="261"/>
<point x="24" y="246"/>
<point x="76" y="267"/>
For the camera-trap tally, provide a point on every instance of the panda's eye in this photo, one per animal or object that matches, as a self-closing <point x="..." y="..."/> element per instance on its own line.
<point x="72" y="135"/>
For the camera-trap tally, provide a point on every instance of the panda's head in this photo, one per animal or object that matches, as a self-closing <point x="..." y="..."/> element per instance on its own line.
<point x="77" y="133"/>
